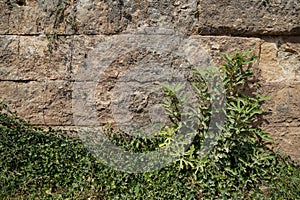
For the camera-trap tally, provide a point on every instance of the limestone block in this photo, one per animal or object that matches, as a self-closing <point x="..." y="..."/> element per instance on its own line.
<point x="36" y="17"/>
<point x="29" y="58"/>
<point x="217" y="45"/>
<point x="26" y="98"/>
<point x="9" y="46"/>
<point x="286" y="140"/>
<point x="4" y="18"/>
<point x="93" y="17"/>
<point x="83" y="104"/>
<point x="245" y="17"/>
<point x="23" y="20"/>
<point x="283" y="107"/>
<point x="280" y="60"/>
<point x="42" y="103"/>
<point x="33" y="58"/>
<point x="58" y="103"/>
<point x="289" y="59"/>
<point x="59" y="66"/>
<point x="7" y="93"/>
<point x="270" y="69"/>
<point x="83" y="45"/>
<point x="115" y="17"/>
<point x="29" y="101"/>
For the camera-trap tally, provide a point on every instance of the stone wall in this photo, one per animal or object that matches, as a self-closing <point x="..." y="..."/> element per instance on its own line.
<point x="45" y="45"/>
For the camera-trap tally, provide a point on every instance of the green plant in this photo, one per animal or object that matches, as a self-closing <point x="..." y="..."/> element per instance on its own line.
<point x="40" y="164"/>
<point x="240" y="161"/>
<point x="49" y="164"/>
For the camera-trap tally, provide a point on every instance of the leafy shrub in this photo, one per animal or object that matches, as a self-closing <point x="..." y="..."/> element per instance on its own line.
<point x="47" y="164"/>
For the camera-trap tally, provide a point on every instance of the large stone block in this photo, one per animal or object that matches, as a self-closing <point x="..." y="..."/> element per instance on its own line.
<point x="59" y="66"/>
<point x="29" y="101"/>
<point x="283" y="107"/>
<point x="8" y="92"/>
<point x="35" y="58"/>
<point x="57" y="100"/>
<point x="4" y="17"/>
<point x="9" y="46"/>
<point x="42" y="103"/>
<point x="26" y="98"/>
<point x="286" y="140"/>
<point x="244" y="17"/>
<point x="215" y="46"/>
<point x="82" y="47"/>
<point x="36" y="17"/>
<point x="99" y="17"/>
<point x="280" y="60"/>
<point x="214" y="17"/>
<point x="24" y="19"/>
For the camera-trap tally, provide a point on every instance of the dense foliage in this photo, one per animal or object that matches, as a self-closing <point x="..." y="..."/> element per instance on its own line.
<point x="48" y="164"/>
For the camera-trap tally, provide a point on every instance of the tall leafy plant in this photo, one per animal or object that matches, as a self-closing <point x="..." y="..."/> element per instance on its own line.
<point x="240" y="159"/>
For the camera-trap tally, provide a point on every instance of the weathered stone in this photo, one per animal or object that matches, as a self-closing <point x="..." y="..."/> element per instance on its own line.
<point x="33" y="58"/>
<point x="29" y="101"/>
<point x="29" y="58"/>
<point x="283" y="107"/>
<point x="43" y="103"/>
<point x="243" y="17"/>
<point x="98" y="17"/>
<point x="7" y="93"/>
<point x="83" y="104"/>
<point x="4" y="18"/>
<point x="81" y="51"/>
<point x="280" y="60"/>
<point x="59" y="66"/>
<point x="25" y="98"/>
<point x="9" y="46"/>
<point x="270" y="69"/>
<point x="23" y="20"/>
<point x="36" y="17"/>
<point x="109" y="17"/>
<point x="289" y="59"/>
<point x="57" y="99"/>
<point x="286" y="140"/>
<point x="204" y="17"/>
<point x="216" y="45"/>
<point x="233" y="17"/>
<point x="134" y="70"/>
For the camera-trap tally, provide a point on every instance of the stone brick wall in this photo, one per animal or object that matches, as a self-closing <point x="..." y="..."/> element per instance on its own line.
<point x="45" y="44"/>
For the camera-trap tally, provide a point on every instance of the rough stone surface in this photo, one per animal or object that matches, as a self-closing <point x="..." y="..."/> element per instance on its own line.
<point x="57" y="99"/>
<point x="42" y="103"/>
<point x="215" y="46"/>
<point x="280" y="60"/>
<point x="9" y="57"/>
<point x="26" y="98"/>
<point x="61" y="60"/>
<point x="235" y="17"/>
<point x="283" y="107"/>
<point x="256" y="17"/>
<point x="29" y="58"/>
<point x="286" y="140"/>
